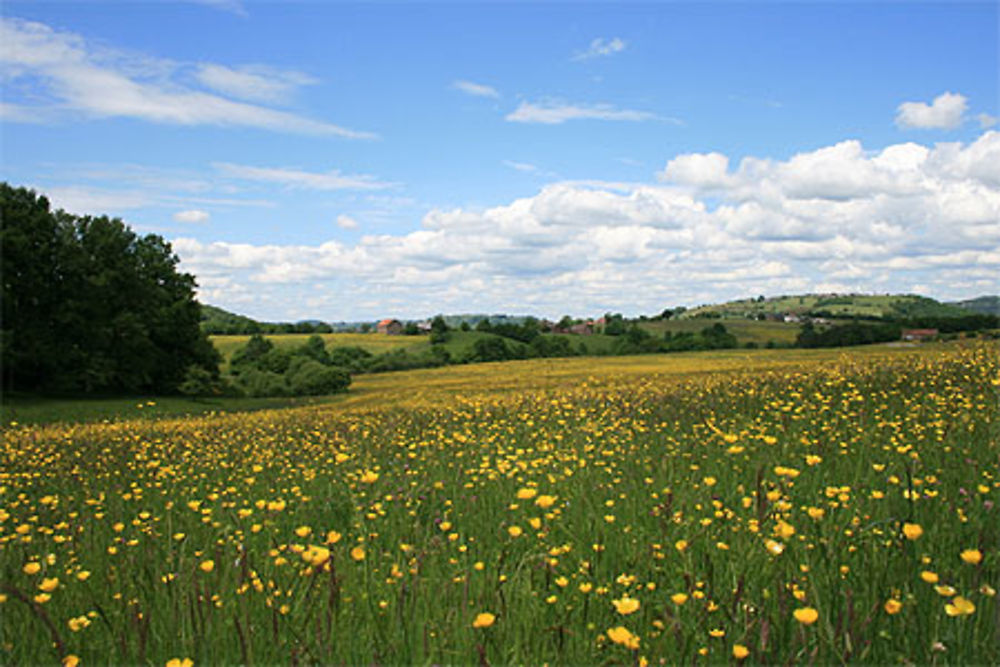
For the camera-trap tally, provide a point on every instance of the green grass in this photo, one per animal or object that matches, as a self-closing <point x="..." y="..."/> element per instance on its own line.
<point x="28" y="410"/>
<point x="855" y="305"/>
<point x="542" y="492"/>
<point x="746" y="331"/>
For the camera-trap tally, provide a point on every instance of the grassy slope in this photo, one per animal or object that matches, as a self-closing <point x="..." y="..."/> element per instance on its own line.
<point x="432" y="386"/>
<point x="746" y="331"/>
<point x="840" y="306"/>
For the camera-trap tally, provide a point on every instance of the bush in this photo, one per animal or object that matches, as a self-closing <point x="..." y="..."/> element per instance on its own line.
<point x="311" y="378"/>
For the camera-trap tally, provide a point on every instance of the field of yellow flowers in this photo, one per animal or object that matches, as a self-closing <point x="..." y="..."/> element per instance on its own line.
<point x="819" y="508"/>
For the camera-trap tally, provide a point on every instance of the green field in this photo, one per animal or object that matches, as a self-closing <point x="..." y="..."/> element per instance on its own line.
<point x="745" y="330"/>
<point x="774" y="507"/>
<point x="853" y="305"/>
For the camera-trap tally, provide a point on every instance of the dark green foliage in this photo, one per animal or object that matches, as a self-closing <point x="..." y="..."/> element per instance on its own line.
<point x="216" y="321"/>
<point x="988" y="305"/>
<point x="311" y="378"/>
<point x="352" y="358"/>
<point x="259" y="369"/>
<point x="854" y="333"/>
<point x="89" y="306"/>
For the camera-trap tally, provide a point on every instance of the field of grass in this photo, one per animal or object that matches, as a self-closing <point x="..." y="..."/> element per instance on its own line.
<point x="746" y="331"/>
<point x="802" y="506"/>
<point x="852" y="305"/>
<point x="373" y="342"/>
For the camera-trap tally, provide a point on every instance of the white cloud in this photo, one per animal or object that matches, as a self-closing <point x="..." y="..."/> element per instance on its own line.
<point x="986" y="121"/>
<point x="232" y="6"/>
<point x="838" y="215"/>
<point x="72" y="76"/>
<point x="526" y="167"/>
<point x="191" y="216"/>
<point x="346" y="222"/>
<point x="946" y="112"/>
<point x="601" y="47"/>
<point x="297" y="178"/>
<point x="257" y="83"/>
<point x="555" y="113"/>
<point x="475" y="89"/>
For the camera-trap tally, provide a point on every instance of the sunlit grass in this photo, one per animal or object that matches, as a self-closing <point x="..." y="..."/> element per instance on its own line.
<point x="804" y="506"/>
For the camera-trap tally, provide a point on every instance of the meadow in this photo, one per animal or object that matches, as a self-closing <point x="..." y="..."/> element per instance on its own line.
<point x="811" y="506"/>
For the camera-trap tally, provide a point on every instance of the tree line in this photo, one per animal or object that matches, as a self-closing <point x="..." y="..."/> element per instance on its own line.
<point x="91" y="306"/>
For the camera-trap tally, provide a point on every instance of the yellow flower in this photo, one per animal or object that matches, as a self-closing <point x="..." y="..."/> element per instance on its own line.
<point x="207" y="565"/>
<point x="774" y="547"/>
<point x="972" y="556"/>
<point x="514" y="531"/>
<point x="717" y="633"/>
<point x="912" y="531"/>
<point x="626" y="605"/>
<point x="484" y="620"/>
<point x="959" y="607"/>
<point x="83" y="575"/>
<point x="316" y="555"/>
<point x="945" y="591"/>
<point x="49" y="585"/>
<point x="893" y="606"/>
<point x="680" y="545"/>
<point x="303" y="531"/>
<point x="526" y="493"/>
<point x="740" y="651"/>
<point x="71" y="660"/>
<point x="358" y="553"/>
<point x="32" y="568"/>
<point x="369" y="477"/>
<point x="679" y="598"/>
<point x="333" y="537"/>
<point x="42" y="598"/>
<point x="806" y="615"/>
<point x="545" y="502"/>
<point x="620" y="635"/>
<point x="929" y="577"/>
<point x="180" y="662"/>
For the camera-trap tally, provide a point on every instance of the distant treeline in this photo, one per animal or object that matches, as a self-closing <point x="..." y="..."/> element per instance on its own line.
<point x="218" y="322"/>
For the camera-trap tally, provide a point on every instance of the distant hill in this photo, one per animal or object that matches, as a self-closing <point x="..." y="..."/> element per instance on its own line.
<point x="987" y="305"/>
<point x="216" y="321"/>
<point x="864" y="306"/>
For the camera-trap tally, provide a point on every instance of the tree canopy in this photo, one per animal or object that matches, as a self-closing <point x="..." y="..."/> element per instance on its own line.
<point x="90" y="306"/>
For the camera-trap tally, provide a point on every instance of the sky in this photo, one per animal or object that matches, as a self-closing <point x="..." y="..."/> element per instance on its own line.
<point x="354" y="161"/>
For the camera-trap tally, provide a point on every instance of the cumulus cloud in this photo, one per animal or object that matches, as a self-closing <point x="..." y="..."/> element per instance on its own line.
<point x="708" y="230"/>
<point x="298" y="178"/>
<point x="601" y="47"/>
<point x="475" y="89"/>
<point x="946" y="112"/>
<point x="68" y="75"/>
<point x="556" y="113"/>
<point x="191" y="216"/>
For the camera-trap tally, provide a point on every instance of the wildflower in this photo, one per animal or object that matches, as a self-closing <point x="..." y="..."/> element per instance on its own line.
<point x="621" y="635"/>
<point x="32" y="568"/>
<point x="49" y="585"/>
<point x="774" y="547"/>
<point x="333" y="537"/>
<point x="972" y="556"/>
<point x="679" y="598"/>
<point x="369" y="477"/>
<point x="71" y="660"/>
<point x="180" y="662"/>
<point x="545" y="502"/>
<point x="681" y="545"/>
<point x="945" y="591"/>
<point x="929" y="577"/>
<point x="484" y="620"/>
<point x="83" y="575"/>
<point x="806" y="615"/>
<point x="740" y="651"/>
<point x="892" y="606"/>
<point x="207" y="565"/>
<point x="514" y="531"/>
<point x="626" y="605"/>
<point x="717" y="633"/>
<point x="912" y="531"/>
<point x="358" y="553"/>
<point x="526" y="493"/>
<point x="303" y="531"/>
<point x="959" y="607"/>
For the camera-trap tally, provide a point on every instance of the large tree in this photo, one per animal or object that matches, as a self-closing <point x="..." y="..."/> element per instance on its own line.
<point x="88" y="305"/>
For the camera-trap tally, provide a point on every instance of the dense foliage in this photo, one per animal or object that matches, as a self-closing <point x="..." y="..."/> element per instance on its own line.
<point x="89" y="306"/>
<point x="261" y="369"/>
<point x="218" y="322"/>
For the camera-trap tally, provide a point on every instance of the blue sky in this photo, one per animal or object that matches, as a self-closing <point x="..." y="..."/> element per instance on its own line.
<point x="350" y="161"/>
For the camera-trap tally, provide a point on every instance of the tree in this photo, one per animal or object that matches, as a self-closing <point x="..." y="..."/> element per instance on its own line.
<point x="89" y="306"/>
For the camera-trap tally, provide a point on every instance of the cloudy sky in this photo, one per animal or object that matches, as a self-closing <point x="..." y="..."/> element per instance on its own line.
<point x="347" y="161"/>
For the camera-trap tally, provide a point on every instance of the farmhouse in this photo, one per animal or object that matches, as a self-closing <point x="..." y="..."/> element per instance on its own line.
<point x="919" y="334"/>
<point x="390" y="327"/>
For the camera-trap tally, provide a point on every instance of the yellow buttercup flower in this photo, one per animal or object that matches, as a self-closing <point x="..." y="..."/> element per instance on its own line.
<point x="892" y="606"/>
<point x="358" y="553"/>
<point x="622" y="636"/>
<point x="49" y="585"/>
<point x="207" y="565"/>
<point x="740" y="651"/>
<point x="912" y="531"/>
<point x="929" y="577"/>
<point x="806" y="615"/>
<point x="484" y="620"/>
<point x="626" y="605"/>
<point x="972" y="556"/>
<point x="679" y="598"/>
<point x="960" y="607"/>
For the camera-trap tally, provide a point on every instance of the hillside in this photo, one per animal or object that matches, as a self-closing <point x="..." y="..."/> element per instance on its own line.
<point x="868" y="306"/>
<point x="987" y="305"/>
